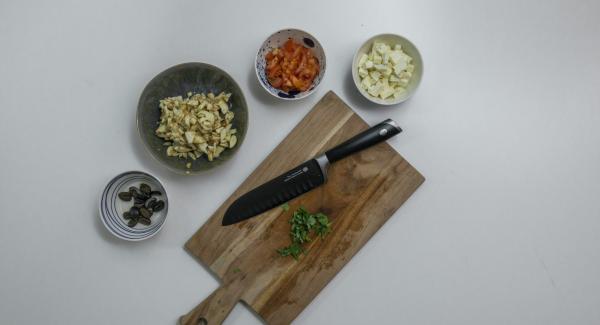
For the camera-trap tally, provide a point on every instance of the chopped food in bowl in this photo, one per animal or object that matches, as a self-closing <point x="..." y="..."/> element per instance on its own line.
<point x="197" y="125"/>
<point x="290" y="64"/>
<point x="192" y="117"/>
<point x="291" y="67"/>
<point x="387" y="69"/>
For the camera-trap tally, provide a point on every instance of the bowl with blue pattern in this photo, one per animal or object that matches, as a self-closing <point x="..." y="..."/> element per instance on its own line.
<point x="276" y="40"/>
<point x="112" y="208"/>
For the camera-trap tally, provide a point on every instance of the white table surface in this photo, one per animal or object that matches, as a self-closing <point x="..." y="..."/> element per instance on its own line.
<point x="505" y="126"/>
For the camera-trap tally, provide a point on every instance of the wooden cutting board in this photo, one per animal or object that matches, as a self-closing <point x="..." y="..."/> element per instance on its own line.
<point x="362" y="192"/>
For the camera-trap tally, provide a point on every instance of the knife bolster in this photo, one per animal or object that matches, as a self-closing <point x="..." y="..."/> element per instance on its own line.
<point x="323" y="162"/>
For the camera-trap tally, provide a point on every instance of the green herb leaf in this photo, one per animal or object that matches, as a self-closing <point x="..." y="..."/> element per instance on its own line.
<point x="294" y="250"/>
<point x="285" y="206"/>
<point x="301" y="224"/>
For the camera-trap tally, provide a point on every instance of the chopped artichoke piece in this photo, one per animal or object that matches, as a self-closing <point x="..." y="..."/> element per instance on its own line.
<point x="232" y="141"/>
<point x="189" y="136"/>
<point x="195" y="125"/>
<point x="224" y="107"/>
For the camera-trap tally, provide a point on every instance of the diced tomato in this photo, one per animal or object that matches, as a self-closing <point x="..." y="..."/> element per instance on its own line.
<point x="276" y="82"/>
<point x="289" y="45"/>
<point x="292" y="67"/>
<point x="272" y="64"/>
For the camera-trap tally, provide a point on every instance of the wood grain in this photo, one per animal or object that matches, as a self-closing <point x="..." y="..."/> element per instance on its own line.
<point x="361" y="193"/>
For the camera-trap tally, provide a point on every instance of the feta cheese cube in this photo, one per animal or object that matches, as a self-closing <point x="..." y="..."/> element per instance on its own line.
<point x="395" y="56"/>
<point x="366" y="82"/>
<point x="379" y="47"/>
<point x="386" y="92"/>
<point x="362" y="60"/>
<point x="398" y="68"/>
<point x="407" y="75"/>
<point x="381" y="67"/>
<point x="377" y="59"/>
<point x="399" y="92"/>
<point x="363" y="72"/>
<point x="375" y="89"/>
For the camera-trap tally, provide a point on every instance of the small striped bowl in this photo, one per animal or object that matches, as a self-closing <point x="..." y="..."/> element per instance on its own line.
<point x="112" y="208"/>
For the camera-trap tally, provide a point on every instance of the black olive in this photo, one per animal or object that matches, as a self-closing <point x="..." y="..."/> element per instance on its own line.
<point x="159" y="193"/>
<point x="158" y="206"/>
<point x="141" y="196"/>
<point x="134" y="212"/>
<point x="145" y="213"/>
<point x="144" y="221"/>
<point x="150" y="204"/>
<point x="125" y="196"/>
<point x="132" y="223"/>
<point x="145" y="189"/>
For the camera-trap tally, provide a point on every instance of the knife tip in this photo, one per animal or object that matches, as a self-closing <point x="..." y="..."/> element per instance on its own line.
<point x="227" y="219"/>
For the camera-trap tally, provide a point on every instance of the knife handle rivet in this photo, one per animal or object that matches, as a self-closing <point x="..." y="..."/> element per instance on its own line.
<point x="383" y="132"/>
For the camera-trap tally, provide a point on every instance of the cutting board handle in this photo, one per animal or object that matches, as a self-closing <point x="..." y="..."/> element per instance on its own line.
<point x="214" y="309"/>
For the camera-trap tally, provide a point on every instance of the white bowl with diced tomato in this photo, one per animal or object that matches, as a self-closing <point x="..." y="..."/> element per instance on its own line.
<point x="387" y="69"/>
<point x="290" y="64"/>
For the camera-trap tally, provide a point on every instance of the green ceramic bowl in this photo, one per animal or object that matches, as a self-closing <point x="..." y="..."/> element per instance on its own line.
<point x="178" y="81"/>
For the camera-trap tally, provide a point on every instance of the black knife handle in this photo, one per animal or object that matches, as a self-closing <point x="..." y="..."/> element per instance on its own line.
<point x="372" y="136"/>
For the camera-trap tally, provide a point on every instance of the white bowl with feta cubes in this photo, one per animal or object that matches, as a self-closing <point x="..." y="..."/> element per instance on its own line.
<point x="387" y="69"/>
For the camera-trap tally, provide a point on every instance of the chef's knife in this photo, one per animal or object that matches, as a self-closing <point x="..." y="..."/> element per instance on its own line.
<point x="304" y="177"/>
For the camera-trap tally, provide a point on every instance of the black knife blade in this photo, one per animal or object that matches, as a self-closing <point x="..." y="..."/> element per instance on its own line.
<point x="277" y="191"/>
<point x="304" y="177"/>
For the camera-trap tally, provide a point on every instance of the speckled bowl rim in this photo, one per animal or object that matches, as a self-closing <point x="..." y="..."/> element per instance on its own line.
<point x="148" y="149"/>
<point x="357" y="81"/>
<point x="166" y="209"/>
<point x="305" y="94"/>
